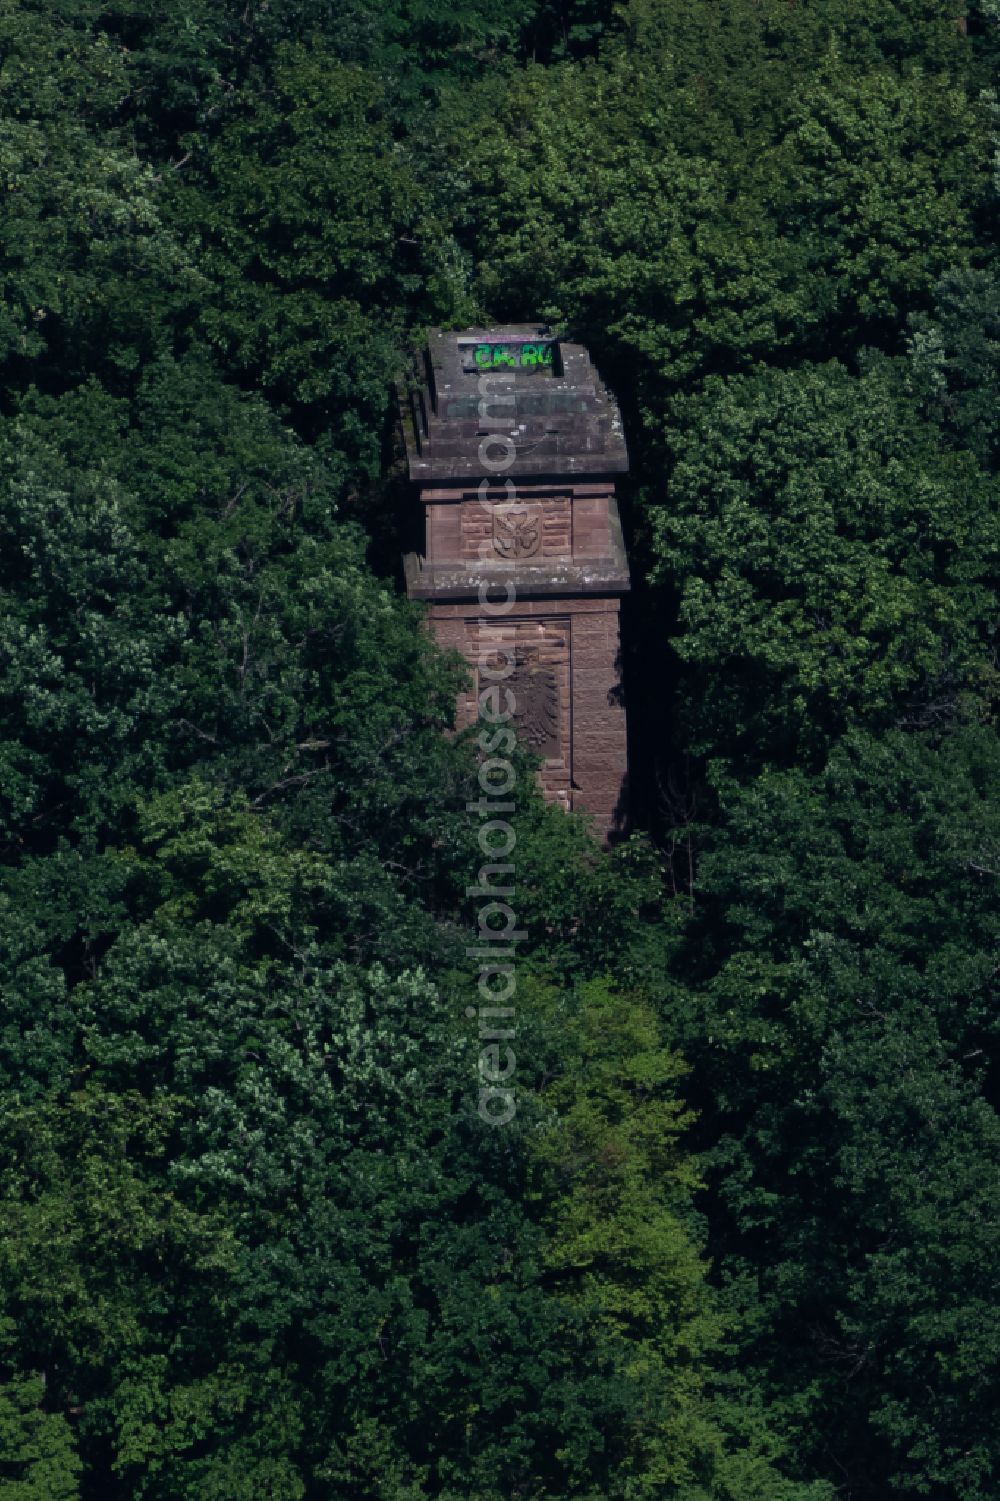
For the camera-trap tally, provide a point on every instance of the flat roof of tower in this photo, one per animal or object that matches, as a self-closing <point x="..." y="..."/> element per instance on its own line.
<point x="514" y="387"/>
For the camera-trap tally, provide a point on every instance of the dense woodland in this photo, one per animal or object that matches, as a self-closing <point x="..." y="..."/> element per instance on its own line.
<point x="741" y="1241"/>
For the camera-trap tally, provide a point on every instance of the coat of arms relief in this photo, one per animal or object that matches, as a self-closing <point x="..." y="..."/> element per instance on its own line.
<point x="517" y="531"/>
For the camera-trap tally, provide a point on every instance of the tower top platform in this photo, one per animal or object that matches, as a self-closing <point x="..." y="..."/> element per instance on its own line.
<point x="515" y="383"/>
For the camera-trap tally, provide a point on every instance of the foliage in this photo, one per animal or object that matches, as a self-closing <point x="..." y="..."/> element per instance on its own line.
<point x="39" y="1461"/>
<point x="738" y="1242"/>
<point x="832" y="560"/>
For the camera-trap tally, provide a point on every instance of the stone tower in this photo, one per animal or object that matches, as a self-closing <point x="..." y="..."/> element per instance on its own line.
<point x="515" y="443"/>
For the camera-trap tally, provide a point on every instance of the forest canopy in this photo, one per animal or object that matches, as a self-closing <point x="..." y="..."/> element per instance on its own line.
<point x="740" y="1242"/>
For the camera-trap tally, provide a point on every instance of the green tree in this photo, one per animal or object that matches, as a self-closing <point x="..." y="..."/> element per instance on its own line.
<point x="38" y="1459"/>
<point x="319" y="241"/>
<point x="838" y="1018"/>
<point x="955" y="351"/>
<point x="832" y="560"/>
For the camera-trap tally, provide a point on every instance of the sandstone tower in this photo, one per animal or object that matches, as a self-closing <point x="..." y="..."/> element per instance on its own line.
<point x="514" y="443"/>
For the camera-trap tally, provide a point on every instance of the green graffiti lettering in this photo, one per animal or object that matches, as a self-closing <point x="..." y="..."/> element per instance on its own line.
<point x="498" y="356"/>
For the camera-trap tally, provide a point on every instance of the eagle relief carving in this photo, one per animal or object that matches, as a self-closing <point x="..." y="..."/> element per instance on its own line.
<point x="536" y="703"/>
<point x="517" y="531"/>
